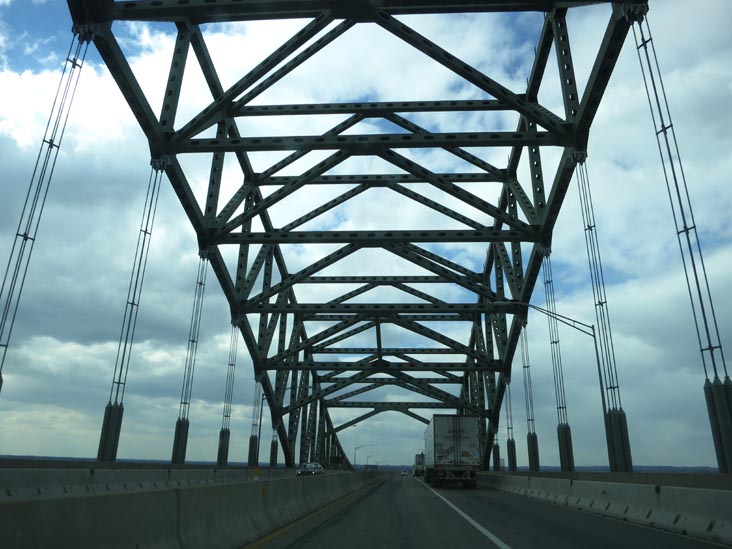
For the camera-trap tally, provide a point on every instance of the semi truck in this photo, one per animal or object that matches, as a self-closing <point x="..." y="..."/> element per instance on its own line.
<point x="418" y="469"/>
<point x="452" y="450"/>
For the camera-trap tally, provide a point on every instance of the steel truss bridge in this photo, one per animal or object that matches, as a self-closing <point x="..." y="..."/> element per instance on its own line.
<point x="319" y="304"/>
<point x="292" y="340"/>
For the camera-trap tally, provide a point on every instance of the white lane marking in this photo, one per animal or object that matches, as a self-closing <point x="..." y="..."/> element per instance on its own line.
<point x="487" y="533"/>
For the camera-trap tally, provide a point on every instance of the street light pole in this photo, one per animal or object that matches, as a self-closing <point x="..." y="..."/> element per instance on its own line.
<point x="356" y="449"/>
<point x="587" y="329"/>
<point x="612" y="433"/>
<point x="368" y="457"/>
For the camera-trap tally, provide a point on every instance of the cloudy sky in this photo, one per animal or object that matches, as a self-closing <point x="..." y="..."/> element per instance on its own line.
<point x="59" y="367"/>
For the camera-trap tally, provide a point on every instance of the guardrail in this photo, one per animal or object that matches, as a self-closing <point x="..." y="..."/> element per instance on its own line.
<point x="704" y="513"/>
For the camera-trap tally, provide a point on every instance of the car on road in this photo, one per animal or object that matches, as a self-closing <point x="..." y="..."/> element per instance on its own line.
<point x="307" y="469"/>
<point x="405" y="473"/>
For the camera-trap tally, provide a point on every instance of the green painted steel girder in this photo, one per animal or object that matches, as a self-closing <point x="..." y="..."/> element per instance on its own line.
<point x="493" y="205"/>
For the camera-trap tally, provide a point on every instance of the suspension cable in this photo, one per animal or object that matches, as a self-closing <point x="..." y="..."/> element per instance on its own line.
<point x="700" y="295"/>
<point x="509" y="412"/>
<point x="256" y="407"/>
<point x="604" y="332"/>
<point x="231" y="368"/>
<point x="35" y="200"/>
<point x="554" y="341"/>
<point x="134" y="290"/>
<point x="195" y="326"/>
<point x="528" y="391"/>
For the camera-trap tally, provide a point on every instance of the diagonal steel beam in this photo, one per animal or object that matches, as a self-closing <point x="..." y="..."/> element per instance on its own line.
<point x="453" y="190"/>
<point x="343" y="336"/>
<point x="312" y="340"/>
<point x="530" y="110"/>
<point x="211" y="114"/>
<point x="422" y="330"/>
<point x="415" y="416"/>
<point x="293" y="182"/>
<point x="265" y="203"/>
<point x="293" y="279"/>
<point x="321" y="393"/>
<point x="460" y="153"/>
<point x="357" y="420"/>
<point x="444" y="210"/>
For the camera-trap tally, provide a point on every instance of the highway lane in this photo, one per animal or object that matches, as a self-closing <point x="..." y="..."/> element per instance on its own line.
<point x="405" y="513"/>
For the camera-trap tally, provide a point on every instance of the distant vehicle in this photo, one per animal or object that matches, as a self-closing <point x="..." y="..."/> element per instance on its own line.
<point x="418" y="469"/>
<point x="309" y="469"/>
<point x="370" y="467"/>
<point x="405" y="473"/>
<point x="452" y="450"/>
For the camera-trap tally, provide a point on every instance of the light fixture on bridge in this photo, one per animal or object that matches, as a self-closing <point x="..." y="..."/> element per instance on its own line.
<point x="355" y="450"/>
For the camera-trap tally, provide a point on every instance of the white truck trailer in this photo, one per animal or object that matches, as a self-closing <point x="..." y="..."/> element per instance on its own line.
<point x="452" y="450"/>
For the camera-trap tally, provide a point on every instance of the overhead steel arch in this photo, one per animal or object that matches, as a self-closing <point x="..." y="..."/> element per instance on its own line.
<point x="319" y="307"/>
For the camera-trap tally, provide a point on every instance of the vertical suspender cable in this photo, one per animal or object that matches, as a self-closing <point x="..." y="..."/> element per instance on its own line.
<point x="134" y="290"/>
<point x="718" y="394"/>
<point x="256" y="419"/>
<point x="225" y="434"/>
<point x="180" y="441"/>
<point x="510" y="443"/>
<point x="112" y="422"/>
<point x="616" y="426"/>
<point x="532" y="440"/>
<point x="607" y="348"/>
<point x="564" y="433"/>
<point x="35" y="199"/>
<point x="556" y="354"/>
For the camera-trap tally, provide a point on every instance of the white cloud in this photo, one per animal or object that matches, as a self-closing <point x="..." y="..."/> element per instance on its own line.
<point x="64" y="344"/>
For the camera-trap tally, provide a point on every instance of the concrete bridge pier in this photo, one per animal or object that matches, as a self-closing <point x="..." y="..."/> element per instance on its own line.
<point x="253" y="451"/>
<point x="532" y="442"/>
<point x="718" y="396"/>
<point x="180" y="442"/>
<point x="273" y="448"/>
<point x="511" y="451"/>
<point x="566" y="454"/>
<point x="619" y="454"/>
<point x="222" y="458"/>
<point x="111" y="427"/>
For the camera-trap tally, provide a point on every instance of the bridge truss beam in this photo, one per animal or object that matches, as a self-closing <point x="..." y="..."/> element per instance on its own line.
<point x="283" y="318"/>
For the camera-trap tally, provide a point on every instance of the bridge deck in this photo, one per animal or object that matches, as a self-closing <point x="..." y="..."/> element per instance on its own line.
<point x="404" y="512"/>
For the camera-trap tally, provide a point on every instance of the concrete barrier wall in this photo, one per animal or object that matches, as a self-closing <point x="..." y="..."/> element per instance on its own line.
<point x="221" y="515"/>
<point x="697" y="512"/>
<point x="31" y="482"/>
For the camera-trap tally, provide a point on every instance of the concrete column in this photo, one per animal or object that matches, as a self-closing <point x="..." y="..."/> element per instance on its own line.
<point x="253" y="459"/>
<point x="273" y="447"/>
<point x="511" y="449"/>
<point x="222" y="457"/>
<point x="532" y="442"/>
<point x="180" y="442"/>
<point x="111" y="428"/>
<point x="566" y="454"/>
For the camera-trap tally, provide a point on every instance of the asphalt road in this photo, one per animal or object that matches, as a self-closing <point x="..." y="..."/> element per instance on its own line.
<point x="405" y="513"/>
